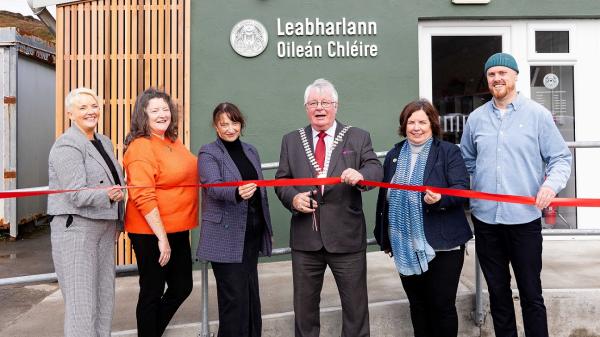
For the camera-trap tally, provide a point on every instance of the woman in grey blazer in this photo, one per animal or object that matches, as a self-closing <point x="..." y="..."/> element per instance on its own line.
<point x="236" y="224"/>
<point x="85" y="223"/>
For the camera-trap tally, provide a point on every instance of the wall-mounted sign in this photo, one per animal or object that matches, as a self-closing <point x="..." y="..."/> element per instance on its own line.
<point x="344" y="38"/>
<point x="308" y="38"/>
<point x="249" y="38"/>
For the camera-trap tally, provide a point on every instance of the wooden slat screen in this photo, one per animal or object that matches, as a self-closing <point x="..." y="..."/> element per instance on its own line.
<point x="119" y="48"/>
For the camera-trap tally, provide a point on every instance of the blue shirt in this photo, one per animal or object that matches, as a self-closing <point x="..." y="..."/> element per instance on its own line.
<point x="511" y="154"/>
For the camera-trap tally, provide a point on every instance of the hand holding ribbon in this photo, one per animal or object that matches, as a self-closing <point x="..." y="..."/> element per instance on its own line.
<point x="517" y="199"/>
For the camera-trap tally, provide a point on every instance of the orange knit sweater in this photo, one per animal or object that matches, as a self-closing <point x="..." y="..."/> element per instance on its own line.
<point x="158" y="162"/>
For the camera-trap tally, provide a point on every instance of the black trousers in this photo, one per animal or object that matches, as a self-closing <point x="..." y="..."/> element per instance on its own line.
<point x="155" y="306"/>
<point x="350" y="273"/>
<point x="520" y="245"/>
<point x="432" y="295"/>
<point x="237" y="287"/>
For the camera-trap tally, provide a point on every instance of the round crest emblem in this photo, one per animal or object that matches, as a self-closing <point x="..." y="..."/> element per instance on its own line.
<point x="248" y="38"/>
<point x="551" y="81"/>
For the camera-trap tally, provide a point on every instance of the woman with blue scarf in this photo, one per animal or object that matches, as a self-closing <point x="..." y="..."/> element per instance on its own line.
<point x="425" y="233"/>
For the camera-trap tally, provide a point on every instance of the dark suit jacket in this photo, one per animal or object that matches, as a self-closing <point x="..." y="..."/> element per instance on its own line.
<point x="223" y="217"/>
<point x="444" y="222"/>
<point x="342" y="222"/>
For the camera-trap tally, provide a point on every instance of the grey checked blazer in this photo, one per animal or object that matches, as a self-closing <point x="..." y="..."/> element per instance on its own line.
<point x="223" y="217"/>
<point x="75" y="163"/>
<point x="342" y="221"/>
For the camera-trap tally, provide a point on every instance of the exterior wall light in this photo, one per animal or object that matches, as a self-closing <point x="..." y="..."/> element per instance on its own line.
<point x="471" y="2"/>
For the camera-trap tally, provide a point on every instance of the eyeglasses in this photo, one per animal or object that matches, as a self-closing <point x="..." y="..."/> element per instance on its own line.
<point x="324" y="104"/>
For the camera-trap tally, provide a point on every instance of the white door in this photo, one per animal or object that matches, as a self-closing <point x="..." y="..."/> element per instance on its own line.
<point x="558" y="63"/>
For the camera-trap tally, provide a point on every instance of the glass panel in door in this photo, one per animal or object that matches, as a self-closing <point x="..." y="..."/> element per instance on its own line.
<point x="552" y="87"/>
<point x="458" y="83"/>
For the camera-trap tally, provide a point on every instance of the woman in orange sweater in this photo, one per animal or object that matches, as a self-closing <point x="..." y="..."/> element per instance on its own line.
<point x="158" y="219"/>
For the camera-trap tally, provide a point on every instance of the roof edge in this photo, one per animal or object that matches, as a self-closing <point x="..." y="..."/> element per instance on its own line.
<point x="45" y="3"/>
<point x="31" y="46"/>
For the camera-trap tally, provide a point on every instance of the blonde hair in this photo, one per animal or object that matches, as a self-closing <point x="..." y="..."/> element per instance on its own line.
<point x="75" y="94"/>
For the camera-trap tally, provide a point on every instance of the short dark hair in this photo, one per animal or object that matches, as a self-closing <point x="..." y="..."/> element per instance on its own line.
<point x="232" y="111"/>
<point x="430" y="111"/>
<point x="139" y="118"/>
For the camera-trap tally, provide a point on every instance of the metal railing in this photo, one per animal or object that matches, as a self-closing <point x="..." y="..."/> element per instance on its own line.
<point x="478" y="314"/>
<point x="51" y="277"/>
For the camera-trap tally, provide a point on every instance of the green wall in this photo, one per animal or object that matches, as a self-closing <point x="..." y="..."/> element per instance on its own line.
<point x="269" y="90"/>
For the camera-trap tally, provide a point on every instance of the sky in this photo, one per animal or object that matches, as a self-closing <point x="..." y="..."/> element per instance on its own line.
<point x="21" y="6"/>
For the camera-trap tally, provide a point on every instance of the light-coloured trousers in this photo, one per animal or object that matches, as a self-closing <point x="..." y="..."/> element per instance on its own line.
<point x="84" y="261"/>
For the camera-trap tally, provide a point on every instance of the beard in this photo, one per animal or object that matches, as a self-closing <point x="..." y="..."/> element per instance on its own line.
<point x="503" y="91"/>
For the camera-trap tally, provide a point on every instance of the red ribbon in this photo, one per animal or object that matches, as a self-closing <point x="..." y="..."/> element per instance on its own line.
<point x="515" y="199"/>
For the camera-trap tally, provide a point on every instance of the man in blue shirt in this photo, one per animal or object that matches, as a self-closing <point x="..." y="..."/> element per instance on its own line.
<point x="512" y="146"/>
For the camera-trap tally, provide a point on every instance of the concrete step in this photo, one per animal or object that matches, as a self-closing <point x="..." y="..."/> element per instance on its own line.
<point x="571" y="312"/>
<point x="570" y="276"/>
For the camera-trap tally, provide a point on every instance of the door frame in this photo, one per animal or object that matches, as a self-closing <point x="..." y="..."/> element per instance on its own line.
<point x="518" y="38"/>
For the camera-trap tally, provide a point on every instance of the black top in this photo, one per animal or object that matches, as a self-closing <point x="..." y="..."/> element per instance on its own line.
<point x="247" y="170"/>
<point x="109" y="162"/>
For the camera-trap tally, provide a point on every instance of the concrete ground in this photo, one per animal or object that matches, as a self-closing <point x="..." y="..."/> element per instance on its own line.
<point x="571" y="279"/>
<point x="29" y="254"/>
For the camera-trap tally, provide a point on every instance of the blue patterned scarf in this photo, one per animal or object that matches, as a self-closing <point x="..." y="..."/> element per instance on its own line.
<point x="411" y="251"/>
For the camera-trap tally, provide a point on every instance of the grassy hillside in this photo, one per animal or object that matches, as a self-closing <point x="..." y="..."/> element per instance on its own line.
<point x="26" y="25"/>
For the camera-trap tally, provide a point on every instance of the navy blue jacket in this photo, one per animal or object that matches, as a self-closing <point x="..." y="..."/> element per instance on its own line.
<point x="444" y="222"/>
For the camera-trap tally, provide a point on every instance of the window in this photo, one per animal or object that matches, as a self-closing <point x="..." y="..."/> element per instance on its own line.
<point x="551" y="41"/>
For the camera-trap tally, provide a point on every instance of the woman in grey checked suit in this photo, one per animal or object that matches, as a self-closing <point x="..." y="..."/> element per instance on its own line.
<point x="85" y="223"/>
